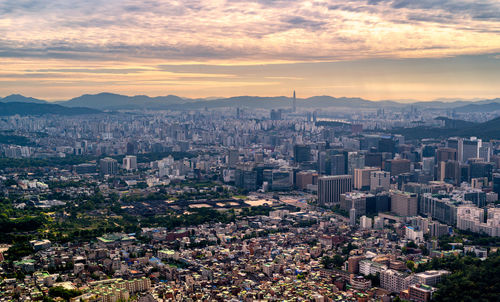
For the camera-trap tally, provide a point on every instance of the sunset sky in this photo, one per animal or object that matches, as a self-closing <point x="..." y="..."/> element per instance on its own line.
<point x="376" y="49"/>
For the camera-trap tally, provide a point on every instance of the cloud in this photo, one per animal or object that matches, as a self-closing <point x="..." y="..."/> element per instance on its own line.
<point x="46" y="43"/>
<point x="264" y="30"/>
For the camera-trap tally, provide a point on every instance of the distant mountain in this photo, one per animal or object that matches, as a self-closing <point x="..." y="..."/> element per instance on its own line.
<point x="17" y="98"/>
<point x="111" y="101"/>
<point x="14" y="108"/>
<point x="482" y="106"/>
<point x="487" y="130"/>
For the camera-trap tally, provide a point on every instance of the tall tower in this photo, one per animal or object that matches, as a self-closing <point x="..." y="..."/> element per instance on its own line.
<point x="294" y="102"/>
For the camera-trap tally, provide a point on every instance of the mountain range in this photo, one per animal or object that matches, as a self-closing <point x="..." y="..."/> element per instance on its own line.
<point x="110" y="101"/>
<point x="486" y="130"/>
<point x="27" y="108"/>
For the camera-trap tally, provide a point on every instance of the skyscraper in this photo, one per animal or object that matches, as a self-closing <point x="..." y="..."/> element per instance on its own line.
<point x="330" y="188"/>
<point x="302" y="153"/>
<point x="404" y="204"/>
<point x="294" y="102"/>
<point x="109" y="166"/>
<point x="337" y="164"/>
<point x="130" y="162"/>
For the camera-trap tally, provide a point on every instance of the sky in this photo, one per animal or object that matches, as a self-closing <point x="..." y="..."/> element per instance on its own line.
<point x="375" y="49"/>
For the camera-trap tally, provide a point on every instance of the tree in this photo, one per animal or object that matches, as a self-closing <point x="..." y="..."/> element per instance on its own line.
<point x="471" y="279"/>
<point x="410" y="265"/>
<point x="412" y="245"/>
<point x="59" y="291"/>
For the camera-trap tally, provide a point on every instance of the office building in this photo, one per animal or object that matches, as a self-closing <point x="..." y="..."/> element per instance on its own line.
<point x="232" y="158"/>
<point x="109" y="166"/>
<point x="365" y="222"/>
<point x="395" y="281"/>
<point x="457" y="144"/>
<point x="354" y="200"/>
<point x="387" y="144"/>
<point x="397" y="166"/>
<point x="373" y="159"/>
<point x="355" y="160"/>
<point x="282" y="180"/>
<point x="431" y="278"/>
<point x="439" y="207"/>
<point x="471" y="148"/>
<point x="379" y="203"/>
<point x="337" y="164"/>
<point x="362" y="178"/>
<point x="380" y="180"/>
<point x="446" y="154"/>
<point x="331" y="187"/>
<point x="496" y="183"/>
<point x="302" y="153"/>
<point x="306" y="180"/>
<point x="130" y="162"/>
<point x="404" y="204"/>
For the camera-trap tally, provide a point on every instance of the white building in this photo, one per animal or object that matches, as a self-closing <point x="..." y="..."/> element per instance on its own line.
<point x="130" y="162"/>
<point x="365" y="222"/>
<point x="367" y="267"/>
<point x="395" y="281"/>
<point x="430" y="278"/>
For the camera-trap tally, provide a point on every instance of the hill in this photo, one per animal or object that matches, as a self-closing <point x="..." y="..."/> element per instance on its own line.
<point x="493" y="105"/>
<point x="14" y="108"/>
<point x="17" y="98"/>
<point x="487" y="130"/>
<point x="111" y="101"/>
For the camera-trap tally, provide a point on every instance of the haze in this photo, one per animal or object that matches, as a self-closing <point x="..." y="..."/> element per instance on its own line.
<point x="374" y="49"/>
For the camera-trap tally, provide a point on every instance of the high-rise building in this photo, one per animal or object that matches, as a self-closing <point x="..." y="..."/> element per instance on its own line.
<point x="130" y="162"/>
<point x="449" y="171"/>
<point x="471" y="148"/>
<point x="481" y="169"/>
<point x="387" y="144"/>
<point x="301" y="153"/>
<point x="457" y="144"/>
<point x="380" y="180"/>
<point x="496" y="183"/>
<point x="246" y="179"/>
<point x="276" y="114"/>
<point x="109" y="166"/>
<point x="330" y="188"/>
<point x="305" y="179"/>
<point x="445" y="154"/>
<point x="352" y="217"/>
<point x="362" y="178"/>
<point x="373" y="159"/>
<point x="397" y="166"/>
<point x="378" y="203"/>
<point x="282" y="180"/>
<point x="365" y="222"/>
<point x="355" y="160"/>
<point x="484" y="153"/>
<point x="439" y="207"/>
<point x="233" y="158"/>
<point x="294" y="102"/>
<point x="395" y="281"/>
<point x="337" y="164"/>
<point x="404" y="204"/>
<point x="132" y="147"/>
<point x="354" y="200"/>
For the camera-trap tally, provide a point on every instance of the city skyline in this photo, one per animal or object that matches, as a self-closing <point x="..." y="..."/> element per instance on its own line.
<point x="377" y="50"/>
